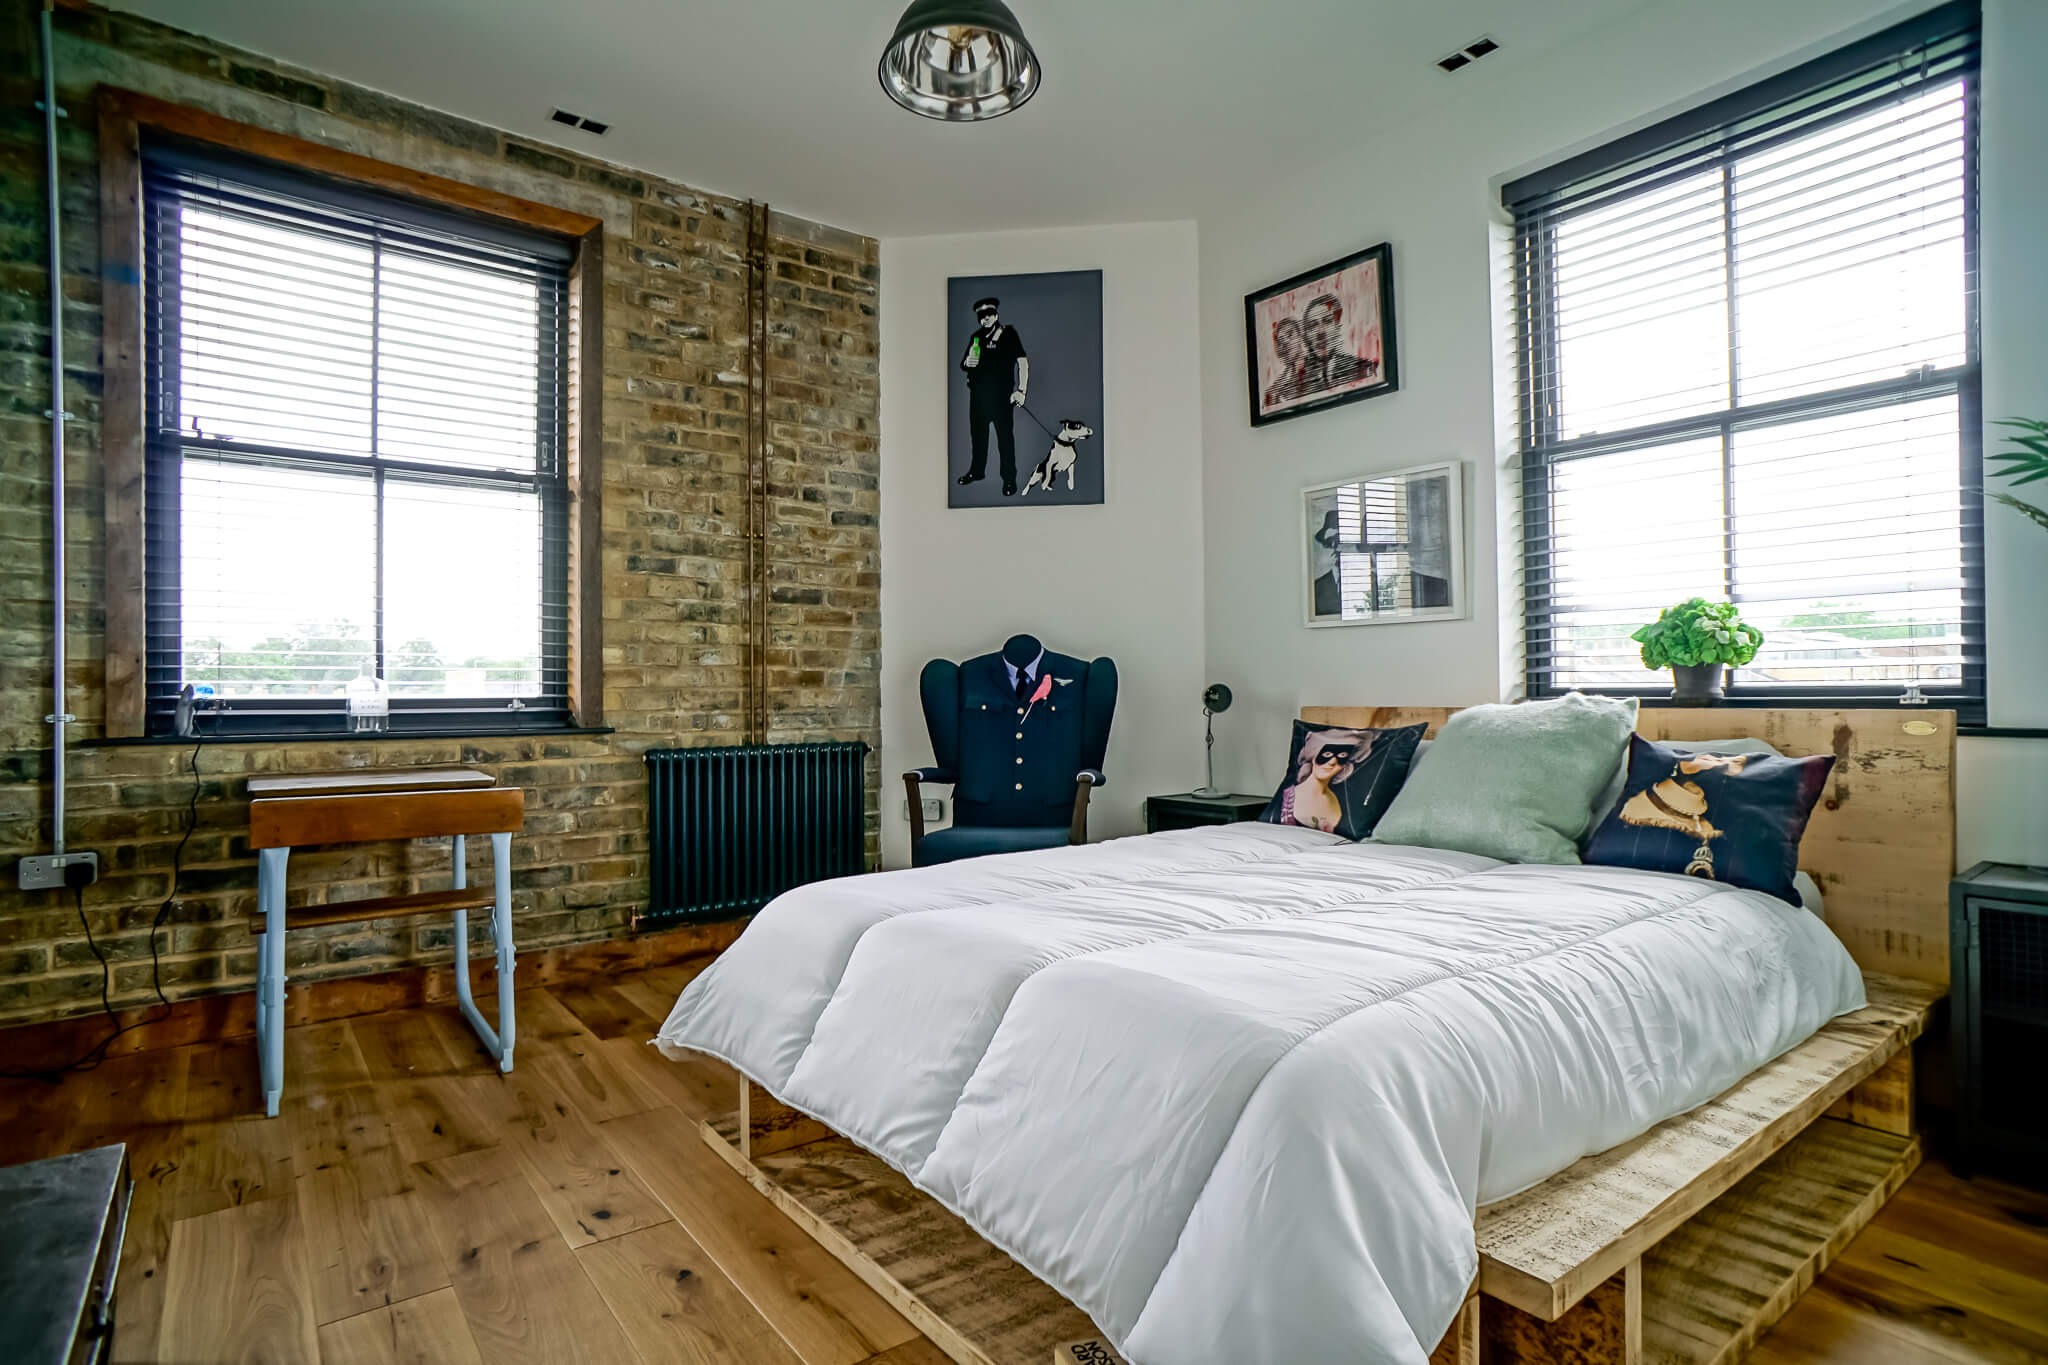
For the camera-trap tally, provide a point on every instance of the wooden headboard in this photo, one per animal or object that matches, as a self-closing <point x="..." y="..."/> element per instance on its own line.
<point x="1882" y="841"/>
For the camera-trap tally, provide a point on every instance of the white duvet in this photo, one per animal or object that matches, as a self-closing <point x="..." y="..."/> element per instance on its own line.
<point x="1236" y="1091"/>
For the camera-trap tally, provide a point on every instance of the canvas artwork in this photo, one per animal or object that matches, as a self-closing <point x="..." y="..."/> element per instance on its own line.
<point x="1385" y="547"/>
<point x="1323" y="338"/>
<point x="1024" y="424"/>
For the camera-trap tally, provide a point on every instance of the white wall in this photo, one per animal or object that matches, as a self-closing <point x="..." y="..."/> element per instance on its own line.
<point x="1431" y="188"/>
<point x="1123" y="579"/>
<point x="2002" y="784"/>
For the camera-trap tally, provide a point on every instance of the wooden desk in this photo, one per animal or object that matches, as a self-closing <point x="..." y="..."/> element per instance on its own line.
<point x="360" y="807"/>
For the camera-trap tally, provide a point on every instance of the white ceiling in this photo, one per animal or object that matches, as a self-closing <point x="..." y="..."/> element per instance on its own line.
<point x="1150" y="108"/>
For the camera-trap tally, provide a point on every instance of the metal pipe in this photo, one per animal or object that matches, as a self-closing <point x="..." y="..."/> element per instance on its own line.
<point x="58" y="717"/>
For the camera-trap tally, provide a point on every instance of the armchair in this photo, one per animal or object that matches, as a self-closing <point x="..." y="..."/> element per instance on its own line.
<point x="1022" y="756"/>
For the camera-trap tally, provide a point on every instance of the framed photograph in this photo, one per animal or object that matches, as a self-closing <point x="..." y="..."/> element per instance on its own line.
<point x="1024" y="424"/>
<point x="1383" y="548"/>
<point x="1322" y="339"/>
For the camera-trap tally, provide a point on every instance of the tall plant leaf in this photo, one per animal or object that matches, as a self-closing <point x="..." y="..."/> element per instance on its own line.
<point x="2035" y="514"/>
<point x="2028" y="464"/>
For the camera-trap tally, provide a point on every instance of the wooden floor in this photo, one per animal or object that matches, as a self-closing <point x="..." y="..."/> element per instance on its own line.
<point x="411" y="1204"/>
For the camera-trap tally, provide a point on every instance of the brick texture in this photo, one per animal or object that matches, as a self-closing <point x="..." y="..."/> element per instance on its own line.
<point x="673" y="571"/>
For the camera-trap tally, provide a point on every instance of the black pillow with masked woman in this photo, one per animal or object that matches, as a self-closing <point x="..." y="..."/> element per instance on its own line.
<point x="1342" y="780"/>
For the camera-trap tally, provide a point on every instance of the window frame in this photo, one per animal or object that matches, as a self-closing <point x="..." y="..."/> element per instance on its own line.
<point x="1540" y="450"/>
<point x="124" y="119"/>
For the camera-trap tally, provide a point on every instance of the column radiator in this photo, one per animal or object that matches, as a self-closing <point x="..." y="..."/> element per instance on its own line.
<point x="731" y="827"/>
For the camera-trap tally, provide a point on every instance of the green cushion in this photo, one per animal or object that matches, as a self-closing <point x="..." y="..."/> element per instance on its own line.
<point x="1517" y="783"/>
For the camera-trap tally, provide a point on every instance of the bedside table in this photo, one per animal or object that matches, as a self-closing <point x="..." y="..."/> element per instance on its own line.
<point x="1187" y="810"/>
<point x="1998" y="989"/>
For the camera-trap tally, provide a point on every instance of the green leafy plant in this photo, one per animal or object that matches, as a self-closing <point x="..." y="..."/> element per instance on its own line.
<point x="2028" y="464"/>
<point x="1697" y="631"/>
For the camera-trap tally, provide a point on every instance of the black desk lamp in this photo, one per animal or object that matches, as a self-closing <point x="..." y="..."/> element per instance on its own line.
<point x="1215" y="697"/>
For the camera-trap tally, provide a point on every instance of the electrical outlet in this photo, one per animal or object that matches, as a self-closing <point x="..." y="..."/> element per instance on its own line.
<point x="41" y="871"/>
<point x="934" y="809"/>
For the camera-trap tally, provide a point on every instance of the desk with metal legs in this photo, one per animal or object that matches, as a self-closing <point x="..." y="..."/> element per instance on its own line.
<point x="288" y="813"/>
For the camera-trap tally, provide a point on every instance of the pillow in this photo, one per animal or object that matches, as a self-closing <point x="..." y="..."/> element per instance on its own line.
<point x="1341" y="780"/>
<point x="1734" y="818"/>
<point x="1513" y="782"/>
<point x="1611" y="797"/>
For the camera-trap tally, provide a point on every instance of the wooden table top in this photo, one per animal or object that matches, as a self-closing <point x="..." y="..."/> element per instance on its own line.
<point x="368" y="780"/>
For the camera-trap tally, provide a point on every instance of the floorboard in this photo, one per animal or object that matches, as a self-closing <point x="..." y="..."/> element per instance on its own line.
<point x="413" y="1205"/>
<point x="236" y="1288"/>
<point x="522" y="1292"/>
<point x="428" y="1330"/>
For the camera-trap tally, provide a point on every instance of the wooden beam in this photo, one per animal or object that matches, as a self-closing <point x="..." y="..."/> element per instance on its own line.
<point x="1884" y="1101"/>
<point x="382" y="907"/>
<point x="1460" y="1344"/>
<point x="586" y="479"/>
<point x="233" y="1015"/>
<point x="122" y="448"/>
<point x="1604" y="1328"/>
<point x="201" y="126"/>
<point x="768" y="1126"/>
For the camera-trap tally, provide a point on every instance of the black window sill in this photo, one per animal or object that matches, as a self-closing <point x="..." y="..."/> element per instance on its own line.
<point x="345" y="736"/>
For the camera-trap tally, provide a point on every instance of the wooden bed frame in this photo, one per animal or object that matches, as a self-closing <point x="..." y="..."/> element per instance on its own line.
<point x="1684" y="1245"/>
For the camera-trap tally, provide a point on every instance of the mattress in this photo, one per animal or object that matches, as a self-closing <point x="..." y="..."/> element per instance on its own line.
<point x="1236" y="1091"/>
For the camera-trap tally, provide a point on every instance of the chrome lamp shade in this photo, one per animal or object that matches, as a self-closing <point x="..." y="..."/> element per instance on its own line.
<point x="959" y="60"/>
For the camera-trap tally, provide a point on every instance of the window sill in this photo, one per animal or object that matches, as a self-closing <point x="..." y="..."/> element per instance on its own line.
<point x="1969" y="710"/>
<point x="344" y="736"/>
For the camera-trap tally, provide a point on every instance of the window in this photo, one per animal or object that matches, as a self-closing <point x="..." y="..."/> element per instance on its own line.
<point x="355" y="427"/>
<point x="1748" y="361"/>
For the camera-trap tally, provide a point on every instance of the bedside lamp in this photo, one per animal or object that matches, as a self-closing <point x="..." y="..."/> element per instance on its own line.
<point x="1215" y="698"/>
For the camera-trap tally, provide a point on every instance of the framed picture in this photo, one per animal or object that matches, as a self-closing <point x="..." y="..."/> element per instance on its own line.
<point x="1384" y="548"/>
<point x="1024" y="424"/>
<point x="1322" y="339"/>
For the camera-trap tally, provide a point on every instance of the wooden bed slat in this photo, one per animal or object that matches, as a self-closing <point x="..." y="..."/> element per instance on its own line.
<point x="1544" y="1249"/>
<point x="1716" y="1284"/>
<point x="976" y="1304"/>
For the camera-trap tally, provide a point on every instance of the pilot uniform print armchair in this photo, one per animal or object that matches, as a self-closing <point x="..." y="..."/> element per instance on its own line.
<point x="1022" y="755"/>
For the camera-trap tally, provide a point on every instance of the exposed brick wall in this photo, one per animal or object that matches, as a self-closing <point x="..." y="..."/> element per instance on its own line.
<point x="674" y="610"/>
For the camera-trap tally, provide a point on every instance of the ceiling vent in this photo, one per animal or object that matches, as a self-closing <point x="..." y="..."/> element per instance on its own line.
<point x="588" y="125"/>
<point x="1472" y="52"/>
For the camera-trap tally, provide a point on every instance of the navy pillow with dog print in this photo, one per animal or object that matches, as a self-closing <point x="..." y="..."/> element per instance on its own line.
<point x="1342" y="780"/>
<point x="1734" y="818"/>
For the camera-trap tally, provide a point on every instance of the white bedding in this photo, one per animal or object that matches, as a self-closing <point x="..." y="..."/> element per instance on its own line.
<point x="1236" y="1091"/>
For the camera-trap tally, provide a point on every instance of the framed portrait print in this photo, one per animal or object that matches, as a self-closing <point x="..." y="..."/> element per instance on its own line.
<point x="1384" y="548"/>
<point x="1323" y="338"/>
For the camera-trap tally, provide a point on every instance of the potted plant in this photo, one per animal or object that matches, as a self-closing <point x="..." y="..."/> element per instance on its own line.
<point x="1698" y="641"/>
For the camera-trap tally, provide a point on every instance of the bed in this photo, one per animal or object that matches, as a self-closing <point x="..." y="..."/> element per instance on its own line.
<point x="1256" y="1092"/>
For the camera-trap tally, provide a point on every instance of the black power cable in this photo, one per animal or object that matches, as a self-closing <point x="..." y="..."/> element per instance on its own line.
<point x="75" y="879"/>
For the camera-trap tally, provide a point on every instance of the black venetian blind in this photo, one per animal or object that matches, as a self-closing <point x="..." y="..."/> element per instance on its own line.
<point x="1747" y="341"/>
<point x="355" y="409"/>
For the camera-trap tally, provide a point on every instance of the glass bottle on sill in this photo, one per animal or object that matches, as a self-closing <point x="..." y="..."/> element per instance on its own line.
<point x="369" y="702"/>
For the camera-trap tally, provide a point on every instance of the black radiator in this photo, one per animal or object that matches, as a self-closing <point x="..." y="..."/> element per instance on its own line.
<point x="732" y="827"/>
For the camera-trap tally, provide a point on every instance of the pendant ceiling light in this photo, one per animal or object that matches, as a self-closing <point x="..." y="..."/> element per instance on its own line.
<point x="959" y="60"/>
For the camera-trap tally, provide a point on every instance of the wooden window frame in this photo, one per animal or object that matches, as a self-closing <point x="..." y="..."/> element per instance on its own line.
<point x="123" y="117"/>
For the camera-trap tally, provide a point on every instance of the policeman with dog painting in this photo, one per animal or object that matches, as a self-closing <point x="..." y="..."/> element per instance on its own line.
<point x="997" y="374"/>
